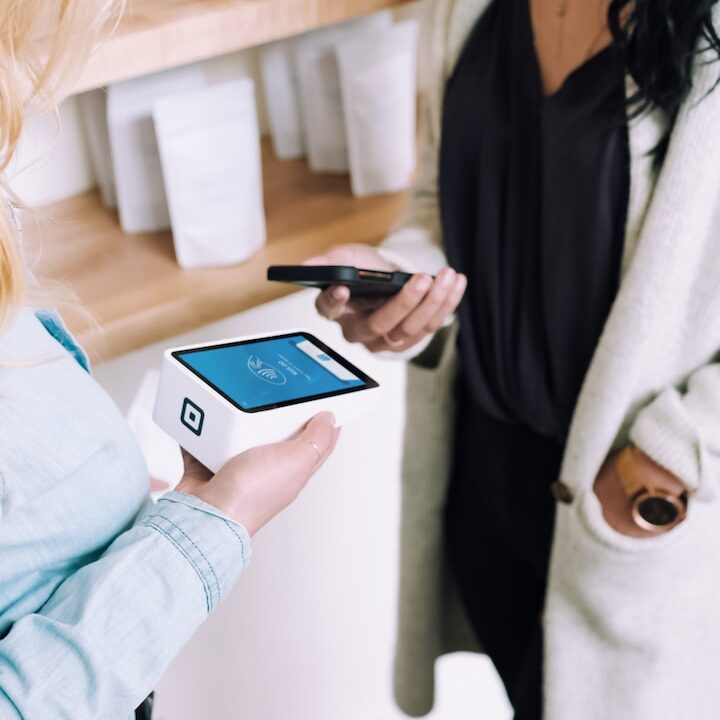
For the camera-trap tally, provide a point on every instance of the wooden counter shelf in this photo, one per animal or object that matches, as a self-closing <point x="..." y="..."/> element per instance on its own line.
<point x="159" y="34"/>
<point x="138" y="295"/>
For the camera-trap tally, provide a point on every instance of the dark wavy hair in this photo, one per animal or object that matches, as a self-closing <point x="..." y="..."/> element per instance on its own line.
<point x="660" y="41"/>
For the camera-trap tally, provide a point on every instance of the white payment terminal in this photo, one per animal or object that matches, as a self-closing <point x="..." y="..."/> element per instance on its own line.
<point x="221" y="399"/>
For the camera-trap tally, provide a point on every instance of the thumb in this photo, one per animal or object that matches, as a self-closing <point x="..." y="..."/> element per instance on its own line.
<point x="317" y="260"/>
<point x="320" y="435"/>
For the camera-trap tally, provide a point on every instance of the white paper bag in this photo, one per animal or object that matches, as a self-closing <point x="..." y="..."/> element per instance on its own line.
<point x="281" y="94"/>
<point x="320" y="95"/>
<point x="93" y="111"/>
<point x="138" y="173"/>
<point x="379" y="85"/>
<point x="210" y="149"/>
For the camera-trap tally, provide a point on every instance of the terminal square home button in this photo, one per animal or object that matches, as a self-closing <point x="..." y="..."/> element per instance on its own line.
<point x="192" y="417"/>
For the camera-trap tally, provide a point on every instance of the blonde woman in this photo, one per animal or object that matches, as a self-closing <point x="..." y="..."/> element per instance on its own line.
<point x="99" y="589"/>
<point x="562" y="464"/>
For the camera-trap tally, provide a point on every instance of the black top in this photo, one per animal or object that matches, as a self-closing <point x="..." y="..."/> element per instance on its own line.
<point x="534" y="193"/>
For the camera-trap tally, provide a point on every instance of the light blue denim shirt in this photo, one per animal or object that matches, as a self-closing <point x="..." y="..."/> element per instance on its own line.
<point x="99" y="588"/>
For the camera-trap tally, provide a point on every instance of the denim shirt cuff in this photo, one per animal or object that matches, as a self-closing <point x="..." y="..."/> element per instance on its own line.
<point x="216" y="547"/>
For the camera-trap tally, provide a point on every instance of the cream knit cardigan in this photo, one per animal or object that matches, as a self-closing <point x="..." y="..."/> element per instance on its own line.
<point x="632" y="625"/>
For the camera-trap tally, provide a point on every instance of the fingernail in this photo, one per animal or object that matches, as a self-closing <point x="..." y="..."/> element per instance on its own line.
<point x="423" y="284"/>
<point x="329" y="416"/>
<point x="338" y="293"/>
<point x="447" y="278"/>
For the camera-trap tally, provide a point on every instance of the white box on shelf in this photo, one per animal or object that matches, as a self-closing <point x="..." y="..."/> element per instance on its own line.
<point x="93" y="112"/>
<point x="138" y="173"/>
<point x="280" y="83"/>
<point x="379" y="86"/>
<point x="320" y="95"/>
<point x="209" y="144"/>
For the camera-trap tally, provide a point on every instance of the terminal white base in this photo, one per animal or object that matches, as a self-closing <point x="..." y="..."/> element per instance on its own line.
<point x="213" y="430"/>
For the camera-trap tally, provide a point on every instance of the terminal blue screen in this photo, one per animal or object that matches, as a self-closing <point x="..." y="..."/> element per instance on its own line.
<point x="271" y="371"/>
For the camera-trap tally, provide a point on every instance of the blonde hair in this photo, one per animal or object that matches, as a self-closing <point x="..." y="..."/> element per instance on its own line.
<point x="44" y="44"/>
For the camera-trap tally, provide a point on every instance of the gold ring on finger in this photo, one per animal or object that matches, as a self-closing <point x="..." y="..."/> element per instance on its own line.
<point x="314" y="447"/>
<point x="392" y="343"/>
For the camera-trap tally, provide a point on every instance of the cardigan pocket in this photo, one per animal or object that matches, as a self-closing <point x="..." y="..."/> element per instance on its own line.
<point x="590" y="516"/>
<point x="632" y="626"/>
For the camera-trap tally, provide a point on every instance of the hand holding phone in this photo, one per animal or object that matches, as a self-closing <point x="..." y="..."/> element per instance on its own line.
<point x="419" y="309"/>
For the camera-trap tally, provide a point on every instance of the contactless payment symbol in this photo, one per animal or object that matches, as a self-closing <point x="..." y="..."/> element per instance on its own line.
<point x="192" y="417"/>
<point x="265" y="371"/>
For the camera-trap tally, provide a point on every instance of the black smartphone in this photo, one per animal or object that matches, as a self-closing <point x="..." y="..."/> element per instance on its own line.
<point x="362" y="283"/>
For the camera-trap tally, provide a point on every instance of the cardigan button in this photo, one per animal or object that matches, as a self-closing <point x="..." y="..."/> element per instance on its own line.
<point x="562" y="492"/>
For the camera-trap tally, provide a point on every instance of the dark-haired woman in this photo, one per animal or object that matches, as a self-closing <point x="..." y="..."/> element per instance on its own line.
<point x="562" y="464"/>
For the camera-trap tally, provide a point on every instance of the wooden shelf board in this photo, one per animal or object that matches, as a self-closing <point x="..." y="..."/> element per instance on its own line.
<point x="133" y="287"/>
<point x="160" y="34"/>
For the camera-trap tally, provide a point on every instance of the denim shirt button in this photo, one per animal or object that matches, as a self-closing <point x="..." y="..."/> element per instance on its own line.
<point x="562" y="492"/>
